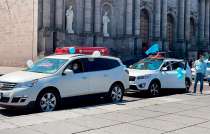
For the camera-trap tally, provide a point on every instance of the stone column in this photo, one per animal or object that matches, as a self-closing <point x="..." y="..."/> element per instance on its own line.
<point x="129" y="17"/>
<point x="79" y="16"/>
<point x="88" y="16"/>
<point x="157" y="20"/>
<point x="180" y="30"/>
<point x="201" y="22"/>
<point x="129" y="26"/>
<point x="137" y="41"/>
<point x="120" y="17"/>
<point x="164" y="24"/>
<point x="47" y="39"/>
<point x="187" y="20"/>
<point x="40" y="14"/>
<point x="46" y="13"/>
<point x="181" y="11"/>
<point x="137" y="17"/>
<point x="187" y="26"/>
<point x="59" y="14"/>
<point x="98" y="16"/>
<point x="207" y="22"/>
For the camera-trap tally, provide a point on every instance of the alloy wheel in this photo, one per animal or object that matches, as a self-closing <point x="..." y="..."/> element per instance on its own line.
<point x="154" y="89"/>
<point x="117" y="93"/>
<point x="48" y="102"/>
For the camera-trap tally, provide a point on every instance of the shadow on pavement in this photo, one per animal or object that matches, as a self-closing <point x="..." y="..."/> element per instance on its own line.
<point x="88" y="101"/>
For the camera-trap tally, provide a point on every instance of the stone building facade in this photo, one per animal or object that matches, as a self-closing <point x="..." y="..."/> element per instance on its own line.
<point x="28" y="27"/>
<point x="18" y="31"/>
<point x="180" y="26"/>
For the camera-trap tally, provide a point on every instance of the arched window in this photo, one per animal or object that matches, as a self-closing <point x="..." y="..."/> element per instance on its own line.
<point x="144" y="26"/>
<point x="107" y="7"/>
<point x="170" y="30"/>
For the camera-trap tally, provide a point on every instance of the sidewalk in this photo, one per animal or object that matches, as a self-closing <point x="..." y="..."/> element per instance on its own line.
<point x="176" y="114"/>
<point x="5" y="70"/>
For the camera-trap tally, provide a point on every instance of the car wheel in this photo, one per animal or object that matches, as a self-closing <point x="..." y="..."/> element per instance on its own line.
<point x="187" y="86"/>
<point x="47" y="101"/>
<point x="154" y="89"/>
<point x="116" y="93"/>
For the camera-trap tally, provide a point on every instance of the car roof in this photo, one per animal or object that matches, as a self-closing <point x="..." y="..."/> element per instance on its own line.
<point x="172" y="59"/>
<point x="169" y="59"/>
<point x="64" y="56"/>
<point x="69" y="56"/>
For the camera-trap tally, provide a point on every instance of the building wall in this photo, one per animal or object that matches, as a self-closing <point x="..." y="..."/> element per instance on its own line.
<point x="18" y="31"/>
<point x="31" y="26"/>
<point x="125" y="40"/>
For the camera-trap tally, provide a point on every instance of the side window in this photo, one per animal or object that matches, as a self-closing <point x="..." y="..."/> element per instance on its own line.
<point x="107" y="64"/>
<point x="99" y="64"/>
<point x="167" y="65"/>
<point x="89" y="64"/>
<point x="177" y="65"/>
<point x="76" y="66"/>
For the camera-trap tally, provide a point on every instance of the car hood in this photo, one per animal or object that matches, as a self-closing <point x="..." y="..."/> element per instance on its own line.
<point x="22" y="76"/>
<point x="136" y="72"/>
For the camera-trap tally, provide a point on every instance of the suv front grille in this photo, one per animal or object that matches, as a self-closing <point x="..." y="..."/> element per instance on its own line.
<point x="132" y="78"/>
<point x="4" y="99"/>
<point x="7" y="85"/>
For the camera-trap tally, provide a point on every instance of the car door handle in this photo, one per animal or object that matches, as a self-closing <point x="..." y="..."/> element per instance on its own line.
<point x="84" y="78"/>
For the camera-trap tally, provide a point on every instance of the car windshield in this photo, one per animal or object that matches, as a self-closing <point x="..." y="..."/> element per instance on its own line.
<point x="148" y="64"/>
<point x="47" y="66"/>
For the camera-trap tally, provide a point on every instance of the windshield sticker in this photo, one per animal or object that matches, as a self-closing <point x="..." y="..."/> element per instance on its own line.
<point x="47" y="64"/>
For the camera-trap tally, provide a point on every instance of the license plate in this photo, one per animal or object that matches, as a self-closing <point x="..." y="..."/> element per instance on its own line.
<point x="132" y="82"/>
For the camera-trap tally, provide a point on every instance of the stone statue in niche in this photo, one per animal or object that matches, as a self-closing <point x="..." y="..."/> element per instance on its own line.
<point x="69" y="20"/>
<point x="106" y="21"/>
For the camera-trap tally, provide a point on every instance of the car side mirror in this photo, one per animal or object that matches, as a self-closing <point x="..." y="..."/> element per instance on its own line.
<point x="67" y="72"/>
<point x="164" y="69"/>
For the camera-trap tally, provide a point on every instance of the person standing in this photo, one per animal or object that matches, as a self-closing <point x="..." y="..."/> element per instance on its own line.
<point x="200" y="68"/>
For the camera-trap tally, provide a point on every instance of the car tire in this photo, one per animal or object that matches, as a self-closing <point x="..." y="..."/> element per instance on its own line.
<point x="116" y="93"/>
<point x="47" y="101"/>
<point x="187" y="86"/>
<point x="154" y="89"/>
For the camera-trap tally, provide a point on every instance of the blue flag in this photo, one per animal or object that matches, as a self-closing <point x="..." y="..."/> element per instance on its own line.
<point x="153" y="49"/>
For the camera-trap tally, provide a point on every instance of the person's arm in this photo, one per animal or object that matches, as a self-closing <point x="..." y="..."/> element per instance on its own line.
<point x="194" y="63"/>
<point x="205" y="68"/>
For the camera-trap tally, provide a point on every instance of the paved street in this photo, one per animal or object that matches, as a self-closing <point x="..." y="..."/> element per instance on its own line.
<point x="175" y="113"/>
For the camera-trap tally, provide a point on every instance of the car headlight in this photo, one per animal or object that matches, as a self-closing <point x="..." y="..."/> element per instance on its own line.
<point x="27" y="84"/>
<point x="143" y="77"/>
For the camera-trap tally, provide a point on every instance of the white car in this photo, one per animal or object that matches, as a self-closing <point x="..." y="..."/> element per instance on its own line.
<point x="60" y="76"/>
<point x="154" y="74"/>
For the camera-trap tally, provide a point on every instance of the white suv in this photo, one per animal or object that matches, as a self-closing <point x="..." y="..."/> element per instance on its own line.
<point x="60" y="76"/>
<point x="152" y="74"/>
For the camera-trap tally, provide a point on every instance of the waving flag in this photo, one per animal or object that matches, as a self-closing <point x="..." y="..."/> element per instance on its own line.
<point x="153" y="49"/>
